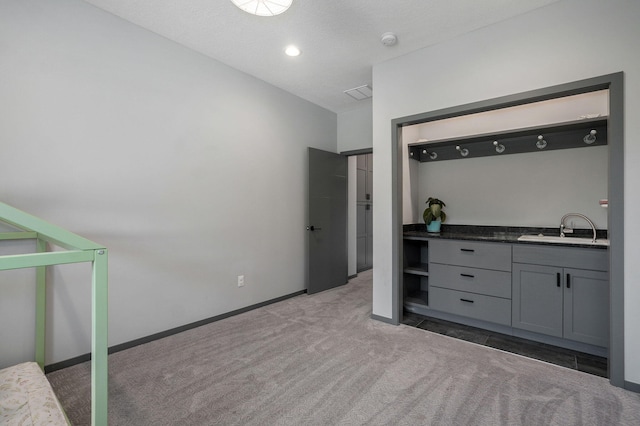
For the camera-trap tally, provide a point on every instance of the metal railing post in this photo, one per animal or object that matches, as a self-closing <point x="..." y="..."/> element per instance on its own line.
<point x="99" y="340"/>
<point x="41" y="306"/>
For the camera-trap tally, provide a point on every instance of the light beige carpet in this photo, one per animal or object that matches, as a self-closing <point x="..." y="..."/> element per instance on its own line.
<point x="320" y="360"/>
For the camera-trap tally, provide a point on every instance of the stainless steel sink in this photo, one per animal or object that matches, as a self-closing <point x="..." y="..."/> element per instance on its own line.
<point x="564" y="240"/>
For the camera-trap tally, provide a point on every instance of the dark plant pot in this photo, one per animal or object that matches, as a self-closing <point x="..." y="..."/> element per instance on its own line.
<point x="434" y="226"/>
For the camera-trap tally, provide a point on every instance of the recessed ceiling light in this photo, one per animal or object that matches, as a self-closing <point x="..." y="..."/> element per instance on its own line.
<point x="263" y="7"/>
<point x="292" y="51"/>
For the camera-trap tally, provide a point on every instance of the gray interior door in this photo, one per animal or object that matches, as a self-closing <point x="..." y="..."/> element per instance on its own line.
<point x="327" y="227"/>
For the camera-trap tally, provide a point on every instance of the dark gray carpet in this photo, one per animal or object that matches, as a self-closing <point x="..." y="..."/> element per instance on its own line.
<point x="320" y="360"/>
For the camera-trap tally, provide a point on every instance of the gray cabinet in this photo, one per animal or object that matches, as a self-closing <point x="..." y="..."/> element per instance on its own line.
<point x="471" y="279"/>
<point x="568" y="298"/>
<point x="364" y="211"/>
<point x="364" y="236"/>
<point x="552" y="294"/>
<point x="364" y="170"/>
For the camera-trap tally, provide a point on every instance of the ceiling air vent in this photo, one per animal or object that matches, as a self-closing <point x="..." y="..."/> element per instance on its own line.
<point x="360" y="93"/>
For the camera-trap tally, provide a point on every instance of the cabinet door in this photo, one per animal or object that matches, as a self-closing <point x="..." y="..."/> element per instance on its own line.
<point x="586" y="306"/>
<point x="369" y="184"/>
<point x="364" y="181"/>
<point x="537" y="298"/>
<point x="369" y="228"/>
<point x="361" y="237"/>
<point x="361" y="186"/>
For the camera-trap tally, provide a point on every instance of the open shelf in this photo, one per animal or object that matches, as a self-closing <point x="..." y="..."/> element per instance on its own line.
<point x="416" y="273"/>
<point x="417" y="298"/>
<point x="418" y="269"/>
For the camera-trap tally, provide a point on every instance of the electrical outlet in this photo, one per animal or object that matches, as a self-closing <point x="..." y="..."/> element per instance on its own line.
<point x="240" y="280"/>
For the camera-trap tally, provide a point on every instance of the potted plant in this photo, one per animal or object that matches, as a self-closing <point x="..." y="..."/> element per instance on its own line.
<point x="434" y="215"/>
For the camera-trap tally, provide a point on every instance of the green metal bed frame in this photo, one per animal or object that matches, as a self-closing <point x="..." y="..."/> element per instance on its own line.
<point x="78" y="250"/>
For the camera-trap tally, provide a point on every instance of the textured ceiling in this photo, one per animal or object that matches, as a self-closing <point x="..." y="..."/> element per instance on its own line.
<point x="340" y="39"/>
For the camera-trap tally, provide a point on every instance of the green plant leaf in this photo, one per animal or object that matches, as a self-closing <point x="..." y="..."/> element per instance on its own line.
<point x="431" y="201"/>
<point x="434" y="211"/>
<point x="427" y="216"/>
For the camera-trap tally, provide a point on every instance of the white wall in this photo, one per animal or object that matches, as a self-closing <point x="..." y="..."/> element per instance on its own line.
<point x="190" y="172"/>
<point x="413" y="200"/>
<point x="354" y="133"/>
<point x="530" y="189"/>
<point x="552" y="111"/>
<point x="352" y="215"/>
<point x="563" y="42"/>
<point x="355" y="128"/>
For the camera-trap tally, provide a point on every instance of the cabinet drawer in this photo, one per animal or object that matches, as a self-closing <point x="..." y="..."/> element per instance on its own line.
<point x="472" y="254"/>
<point x="564" y="257"/>
<point x="473" y="280"/>
<point x="486" y="308"/>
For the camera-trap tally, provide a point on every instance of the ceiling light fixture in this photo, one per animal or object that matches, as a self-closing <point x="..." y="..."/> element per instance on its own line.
<point x="263" y="7"/>
<point x="292" y="51"/>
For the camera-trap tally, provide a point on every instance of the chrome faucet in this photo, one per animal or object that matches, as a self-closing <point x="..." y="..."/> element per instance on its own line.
<point x="564" y="229"/>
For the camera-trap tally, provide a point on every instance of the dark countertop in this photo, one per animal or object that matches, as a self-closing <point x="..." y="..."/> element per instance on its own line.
<point x="498" y="234"/>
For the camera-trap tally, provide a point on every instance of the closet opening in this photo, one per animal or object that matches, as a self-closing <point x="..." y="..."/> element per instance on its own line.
<point x="612" y="83"/>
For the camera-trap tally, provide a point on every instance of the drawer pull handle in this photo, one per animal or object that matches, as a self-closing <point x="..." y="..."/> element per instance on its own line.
<point x="467" y="300"/>
<point x="558" y="279"/>
<point x="467" y="275"/>
<point x="467" y="250"/>
<point x="568" y="281"/>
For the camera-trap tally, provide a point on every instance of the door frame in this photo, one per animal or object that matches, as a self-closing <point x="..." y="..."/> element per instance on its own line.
<point x="350" y="202"/>
<point x="615" y="84"/>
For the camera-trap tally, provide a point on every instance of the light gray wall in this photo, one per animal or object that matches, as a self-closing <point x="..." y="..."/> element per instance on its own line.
<point x="17" y="294"/>
<point x="563" y="42"/>
<point x="532" y="189"/>
<point x="190" y="172"/>
<point x="355" y="127"/>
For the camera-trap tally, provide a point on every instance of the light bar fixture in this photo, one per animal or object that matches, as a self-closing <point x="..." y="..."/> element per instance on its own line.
<point x="263" y="7"/>
<point x="360" y="93"/>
